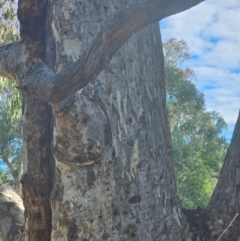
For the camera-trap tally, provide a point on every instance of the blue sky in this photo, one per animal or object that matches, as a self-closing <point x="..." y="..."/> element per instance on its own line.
<point x="212" y="32"/>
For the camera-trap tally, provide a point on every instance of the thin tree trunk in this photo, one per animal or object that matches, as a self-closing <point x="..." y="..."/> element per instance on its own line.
<point x="37" y="126"/>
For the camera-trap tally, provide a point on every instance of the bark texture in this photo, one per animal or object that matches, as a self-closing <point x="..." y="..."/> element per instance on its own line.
<point x="37" y="127"/>
<point x="119" y="27"/>
<point x="105" y="122"/>
<point x="11" y="215"/>
<point x="225" y="201"/>
<point x="112" y="169"/>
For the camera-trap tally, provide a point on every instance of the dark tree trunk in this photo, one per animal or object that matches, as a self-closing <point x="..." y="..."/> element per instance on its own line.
<point x="112" y="177"/>
<point x="225" y="201"/>
<point x="37" y="127"/>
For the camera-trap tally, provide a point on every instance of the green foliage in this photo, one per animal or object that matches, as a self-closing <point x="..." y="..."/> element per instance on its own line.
<point x="10" y="106"/>
<point x="198" y="146"/>
<point x="11" y="97"/>
<point x="5" y="177"/>
<point x="10" y="140"/>
<point x="10" y="14"/>
<point x="9" y="23"/>
<point x="8" y="33"/>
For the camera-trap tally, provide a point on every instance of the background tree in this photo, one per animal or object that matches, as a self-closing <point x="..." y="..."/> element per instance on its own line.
<point x="198" y="144"/>
<point x="106" y="124"/>
<point x="9" y="25"/>
<point x="10" y="138"/>
<point x="10" y="106"/>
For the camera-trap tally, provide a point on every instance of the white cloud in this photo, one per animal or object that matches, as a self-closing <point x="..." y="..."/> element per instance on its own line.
<point x="212" y="32"/>
<point x="226" y="4"/>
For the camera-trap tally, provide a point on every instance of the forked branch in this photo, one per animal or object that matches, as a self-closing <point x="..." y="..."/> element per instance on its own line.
<point x="10" y="59"/>
<point x="53" y="88"/>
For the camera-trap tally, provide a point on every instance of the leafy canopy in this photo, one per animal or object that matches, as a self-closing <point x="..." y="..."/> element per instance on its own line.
<point x="10" y="106"/>
<point x="198" y="144"/>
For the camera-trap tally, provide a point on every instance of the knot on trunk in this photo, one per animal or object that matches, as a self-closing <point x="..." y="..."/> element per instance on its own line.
<point x="77" y="139"/>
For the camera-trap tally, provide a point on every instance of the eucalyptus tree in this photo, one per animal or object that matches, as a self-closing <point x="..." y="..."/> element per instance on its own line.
<point x="198" y="144"/>
<point x="98" y="162"/>
<point x="10" y="106"/>
<point x="10" y="145"/>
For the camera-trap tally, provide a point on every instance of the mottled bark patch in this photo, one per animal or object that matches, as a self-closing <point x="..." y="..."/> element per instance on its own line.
<point x="82" y="134"/>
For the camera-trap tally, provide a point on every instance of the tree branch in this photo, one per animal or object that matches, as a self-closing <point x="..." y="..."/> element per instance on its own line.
<point x="9" y="61"/>
<point x="45" y="85"/>
<point x="12" y="214"/>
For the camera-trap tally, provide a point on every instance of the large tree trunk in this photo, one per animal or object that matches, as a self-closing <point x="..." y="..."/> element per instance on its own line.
<point x="112" y="177"/>
<point x="112" y="144"/>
